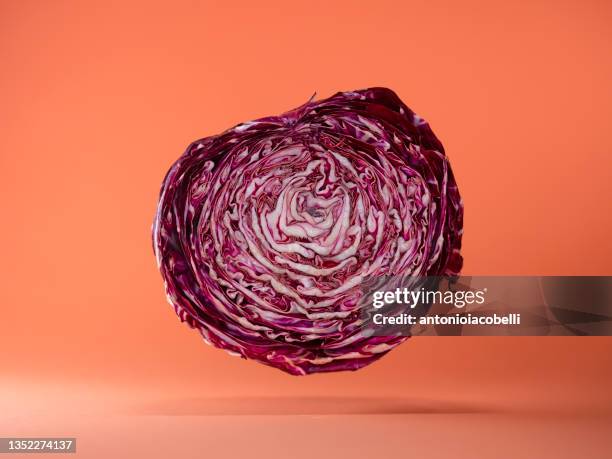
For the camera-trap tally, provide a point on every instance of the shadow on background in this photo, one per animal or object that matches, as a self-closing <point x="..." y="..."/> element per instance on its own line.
<point x="245" y="406"/>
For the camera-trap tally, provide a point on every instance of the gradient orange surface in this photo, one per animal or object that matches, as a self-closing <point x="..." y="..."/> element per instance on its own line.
<point x="99" y="98"/>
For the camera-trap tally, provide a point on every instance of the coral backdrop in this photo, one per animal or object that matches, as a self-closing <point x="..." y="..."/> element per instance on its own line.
<point x="99" y="98"/>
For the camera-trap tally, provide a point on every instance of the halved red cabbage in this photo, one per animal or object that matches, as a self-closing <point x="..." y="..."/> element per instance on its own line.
<point x="264" y="233"/>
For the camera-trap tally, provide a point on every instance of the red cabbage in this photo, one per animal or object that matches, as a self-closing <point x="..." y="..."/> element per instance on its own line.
<point x="264" y="233"/>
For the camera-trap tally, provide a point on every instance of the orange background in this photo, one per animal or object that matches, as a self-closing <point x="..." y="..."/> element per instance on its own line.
<point x="97" y="99"/>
